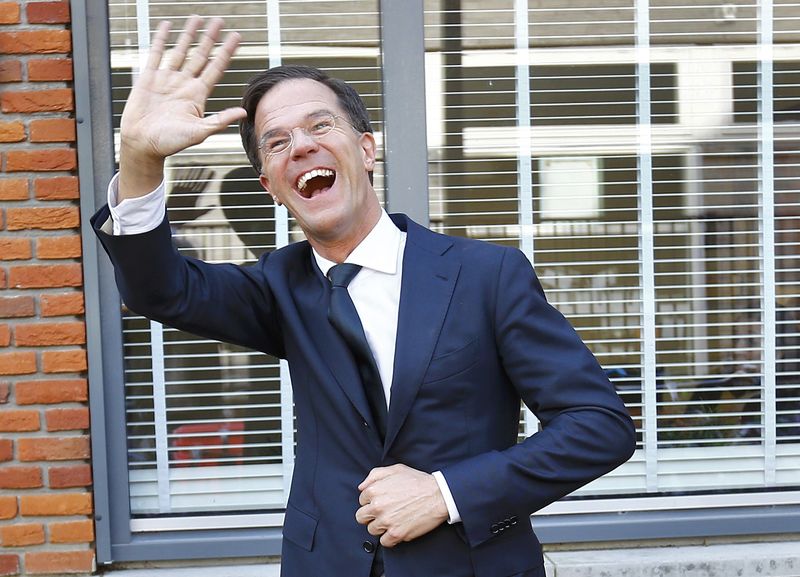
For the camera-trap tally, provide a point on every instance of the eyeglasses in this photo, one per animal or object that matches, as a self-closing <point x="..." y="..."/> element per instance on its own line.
<point x="278" y="141"/>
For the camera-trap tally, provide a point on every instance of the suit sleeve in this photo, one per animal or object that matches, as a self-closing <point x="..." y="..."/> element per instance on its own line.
<point x="586" y="430"/>
<point x="225" y="302"/>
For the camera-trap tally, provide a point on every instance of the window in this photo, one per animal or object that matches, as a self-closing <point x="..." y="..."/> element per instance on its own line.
<point x="665" y="265"/>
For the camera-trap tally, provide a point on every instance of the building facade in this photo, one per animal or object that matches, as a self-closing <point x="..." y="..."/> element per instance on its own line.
<point x="642" y="153"/>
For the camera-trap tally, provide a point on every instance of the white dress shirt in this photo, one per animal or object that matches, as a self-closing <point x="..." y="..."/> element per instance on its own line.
<point x="375" y="290"/>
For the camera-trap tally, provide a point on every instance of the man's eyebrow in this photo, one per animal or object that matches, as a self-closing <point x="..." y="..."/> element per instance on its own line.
<point x="320" y="112"/>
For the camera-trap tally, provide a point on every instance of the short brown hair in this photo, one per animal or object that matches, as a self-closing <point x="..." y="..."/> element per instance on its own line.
<point x="264" y="81"/>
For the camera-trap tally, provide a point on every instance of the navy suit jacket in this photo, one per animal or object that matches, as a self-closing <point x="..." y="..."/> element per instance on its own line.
<point x="475" y="337"/>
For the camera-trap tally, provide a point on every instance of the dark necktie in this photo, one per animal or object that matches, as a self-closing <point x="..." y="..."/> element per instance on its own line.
<point x="344" y="317"/>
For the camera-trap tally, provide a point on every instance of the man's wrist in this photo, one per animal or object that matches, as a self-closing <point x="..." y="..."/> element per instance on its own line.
<point x="452" y="511"/>
<point x="138" y="174"/>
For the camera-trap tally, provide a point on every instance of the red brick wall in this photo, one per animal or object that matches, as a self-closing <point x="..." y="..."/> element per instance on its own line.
<point x="45" y="481"/>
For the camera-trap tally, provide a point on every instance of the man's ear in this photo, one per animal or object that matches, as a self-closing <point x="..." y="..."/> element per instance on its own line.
<point x="265" y="185"/>
<point x="368" y="148"/>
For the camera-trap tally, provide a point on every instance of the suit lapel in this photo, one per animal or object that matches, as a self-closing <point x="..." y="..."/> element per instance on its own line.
<point x="312" y="295"/>
<point x="429" y="277"/>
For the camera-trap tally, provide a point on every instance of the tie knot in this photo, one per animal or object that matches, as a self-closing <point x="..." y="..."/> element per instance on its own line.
<point x="342" y="274"/>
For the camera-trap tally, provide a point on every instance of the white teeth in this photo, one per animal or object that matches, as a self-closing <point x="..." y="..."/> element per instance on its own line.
<point x="301" y="182"/>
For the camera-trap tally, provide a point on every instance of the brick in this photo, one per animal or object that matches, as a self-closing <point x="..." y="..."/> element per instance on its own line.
<point x="43" y="160"/>
<point x="48" y="12"/>
<point x="21" y="535"/>
<point x="50" y="70"/>
<point x="59" y="504"/>
<point x="67" y="419"/>
<point x="50" y="392"/>
<point x="58" y="188"/>
<point x="3" y="275"/>
<point x="36" y="42"/>
<point x="15" y="307"/>
<point x="10" y="71"/>
<point x="12" y="131"/>
<point x="18" y="363"/>
<point x="5" y="392"/>
<point x="20" y="477"/>
<point x="59" y="562"/>
<point x="45" y="276"/>
<point x="22" y="420"/>
<point x="52" y="448"/>
<point x="72" y="532"/>
<point x="14" y="189"/>
<point x="52" y="130"/>
<point x="15" y="248"/>
<point x="8" y="507"/>
<point x="9" y="565"/>
<point x="64" y="361"/>
<point x="53" y="247"/>
<point x="27" y="101"/>
<point x="56" y="305"/>
<point x="44" y="218"/>
<point x="5" y="335"/>
<point x="9" y="13"/>
<point x="6" y="450"/>
<point x="50" y="334"/>
<point x="70" y="476"/>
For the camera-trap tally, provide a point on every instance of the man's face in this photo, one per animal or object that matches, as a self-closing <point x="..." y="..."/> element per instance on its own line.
<point x="337" y="202"/>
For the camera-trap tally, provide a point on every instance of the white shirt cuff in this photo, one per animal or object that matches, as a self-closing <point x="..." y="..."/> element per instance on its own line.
<point x="136" y="215"/>
<point x="452" y="510"/>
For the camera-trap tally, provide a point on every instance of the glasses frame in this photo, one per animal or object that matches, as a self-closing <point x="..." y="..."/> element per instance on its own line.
<point x="312" y="121"/>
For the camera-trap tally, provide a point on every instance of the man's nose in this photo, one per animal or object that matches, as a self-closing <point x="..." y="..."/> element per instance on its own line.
<point x="302" y="142"/>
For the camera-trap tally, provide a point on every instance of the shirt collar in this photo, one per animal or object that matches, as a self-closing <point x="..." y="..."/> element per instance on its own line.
<point x="378" y="251"/>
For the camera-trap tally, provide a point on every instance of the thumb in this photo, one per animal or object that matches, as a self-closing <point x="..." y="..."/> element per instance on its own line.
<point x="221" y="120"/>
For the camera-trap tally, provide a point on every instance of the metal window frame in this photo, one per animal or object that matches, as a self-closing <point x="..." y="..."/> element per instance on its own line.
<point x="407" y="185"/>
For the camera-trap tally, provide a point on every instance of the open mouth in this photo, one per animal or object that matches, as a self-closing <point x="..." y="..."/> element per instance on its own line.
<point x="315" y="181"/>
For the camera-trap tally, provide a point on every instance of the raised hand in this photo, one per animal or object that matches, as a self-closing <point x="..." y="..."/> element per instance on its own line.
<point x="165" y="111"/>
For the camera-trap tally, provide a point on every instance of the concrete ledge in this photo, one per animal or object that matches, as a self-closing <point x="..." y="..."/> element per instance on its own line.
<point x="734" y="560"/>
<point x="770" y="559"/>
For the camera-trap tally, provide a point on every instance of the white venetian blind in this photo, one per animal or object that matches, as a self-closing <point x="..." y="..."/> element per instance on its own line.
<point x="644" y="155"/>
<point x="210" y="425"/>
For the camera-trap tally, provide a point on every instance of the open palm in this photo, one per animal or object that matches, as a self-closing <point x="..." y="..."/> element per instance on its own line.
<point x="165" y="112"/>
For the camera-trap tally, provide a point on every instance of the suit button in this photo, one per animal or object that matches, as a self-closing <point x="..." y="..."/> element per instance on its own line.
<point x="369" y="546"/>
<point x="495" y="528"/>
<point x="514" y="520"/>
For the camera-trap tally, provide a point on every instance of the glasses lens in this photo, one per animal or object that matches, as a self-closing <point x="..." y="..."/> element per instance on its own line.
<point x="317" y="127"/>
<point x="277" y="143"/>
<point x="321" y="126"/>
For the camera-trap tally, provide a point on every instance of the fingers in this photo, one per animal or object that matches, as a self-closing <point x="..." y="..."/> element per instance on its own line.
<point x="365" y="516"/>
<point x="388" y="540"/>
<point x="157" y="45"/>
<point x="177" y="55"/>
<point x="215" y="68"/>
<point x="367" y="496"/>
<point x="200" y="57"/>
<point x="199" y="63"/>
<point x="376" y="474"/>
